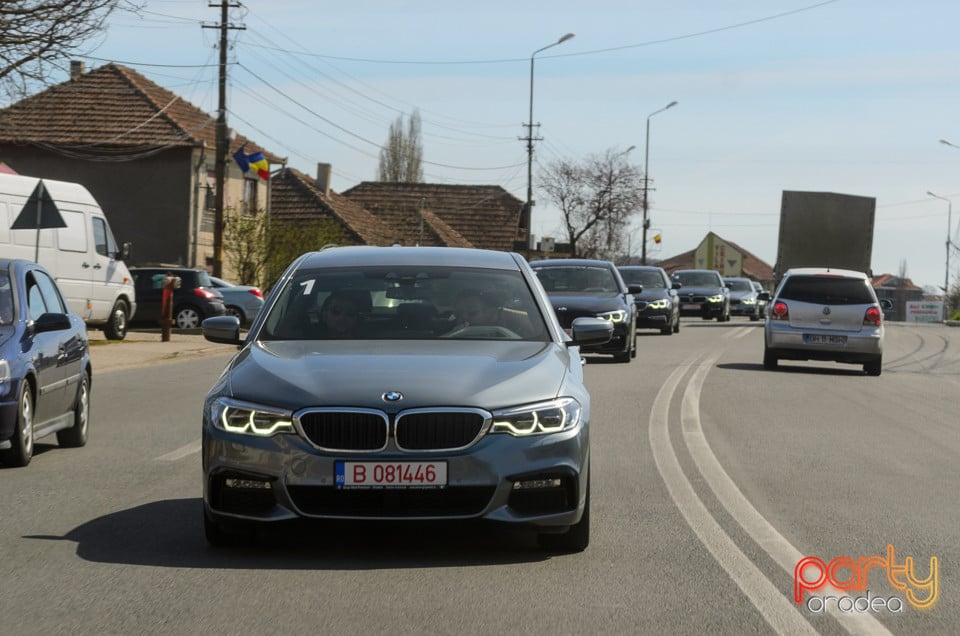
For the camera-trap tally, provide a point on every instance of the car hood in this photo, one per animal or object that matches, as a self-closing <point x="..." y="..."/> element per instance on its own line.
<point x="296" y="374"/>
<point x="701" y="291"/>
<point x="595" y="302"/>
<point x="739" y="295"/>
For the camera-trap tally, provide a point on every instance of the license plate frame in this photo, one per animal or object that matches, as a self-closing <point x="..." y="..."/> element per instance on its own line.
<point x="398" y="475"/>
<point x="690" y="306"/>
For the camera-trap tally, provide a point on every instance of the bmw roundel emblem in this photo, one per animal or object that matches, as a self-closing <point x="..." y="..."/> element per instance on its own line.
<point x="826" y="311"/>
<point x="392" y="396"/>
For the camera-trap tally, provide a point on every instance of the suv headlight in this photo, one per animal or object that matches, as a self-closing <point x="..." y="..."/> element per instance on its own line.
<point x="618" y="315"/>
<point x="234" y="416"/>
<point x="715" y="299"/>
<point x="537" y="419"/>
<point x="748" y="301"/>
<point x="662" y="303"/>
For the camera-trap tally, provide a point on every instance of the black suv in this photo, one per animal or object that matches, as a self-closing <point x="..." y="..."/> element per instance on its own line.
<point x="195" y="299"/>
<point x="580" y="287"/>
<point x="703" y="294"/>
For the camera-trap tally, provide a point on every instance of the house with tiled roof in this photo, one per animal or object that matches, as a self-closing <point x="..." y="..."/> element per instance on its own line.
<point x="296" y="196"/>
<point x="484" y="216"/>
<point x="146" y="154"/>
<point x="728" y="258"/>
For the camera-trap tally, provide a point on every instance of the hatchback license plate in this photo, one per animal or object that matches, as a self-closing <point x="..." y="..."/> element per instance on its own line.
<point x="391" y="474"/>
<point x="817" y="339"/>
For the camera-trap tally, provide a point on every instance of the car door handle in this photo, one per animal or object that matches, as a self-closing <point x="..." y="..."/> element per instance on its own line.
<point x="86" y="265"/>
<point x="98" y="266"/>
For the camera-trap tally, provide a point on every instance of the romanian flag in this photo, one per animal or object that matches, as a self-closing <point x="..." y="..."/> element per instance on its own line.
<point x="657" y="238"/>
<point x="254" y="160"/>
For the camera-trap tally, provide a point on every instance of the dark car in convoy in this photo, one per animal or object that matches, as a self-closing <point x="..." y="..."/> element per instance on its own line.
<point x="44" y="364"/>
<point x="194" y="300"/>
<point x="702" y="294"/>
<point x="417" y="383"/>
<point x="762" y="299"/>
<point x="657" y="306"/>
<point x="744" y="299"/>
<point x="587" y="287"/>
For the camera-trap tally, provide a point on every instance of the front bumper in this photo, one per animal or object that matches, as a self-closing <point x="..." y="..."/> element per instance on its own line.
<point x="704" y="309"/>
<point x="480" y="480"/>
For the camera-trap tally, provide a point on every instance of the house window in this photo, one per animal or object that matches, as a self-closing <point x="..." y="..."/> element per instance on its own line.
<point x="250" y="196"/>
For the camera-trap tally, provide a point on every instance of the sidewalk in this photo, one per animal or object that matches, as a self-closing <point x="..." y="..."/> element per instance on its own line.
<point x="143" y="348"/>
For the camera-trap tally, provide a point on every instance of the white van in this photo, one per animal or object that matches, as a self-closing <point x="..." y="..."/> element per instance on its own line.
<point x="83" y="256"/>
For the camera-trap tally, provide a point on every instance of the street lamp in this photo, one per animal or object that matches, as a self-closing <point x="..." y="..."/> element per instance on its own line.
<point x="946" y="278"/>
<point x="646" y="183"/>
<point x="528" y="206"/>
<point x="947" y="143"/>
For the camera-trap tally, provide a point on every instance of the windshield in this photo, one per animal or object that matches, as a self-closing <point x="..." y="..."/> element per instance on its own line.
<point x="739" y="284"/>
<point x="698" y="279"/>
<point x="577" y="279"/>
<point x="405" y="303"/>
<point x="648" y="278"/>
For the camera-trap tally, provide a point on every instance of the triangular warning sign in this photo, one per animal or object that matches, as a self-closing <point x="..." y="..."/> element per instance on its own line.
<point x="39" y="212"/>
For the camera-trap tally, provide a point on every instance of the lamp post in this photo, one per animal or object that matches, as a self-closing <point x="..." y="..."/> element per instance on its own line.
<point x="525" y="220"/>
<point x="947" y="143"/>
<point x="646" y="183"/>
<point x="946" y="278"/>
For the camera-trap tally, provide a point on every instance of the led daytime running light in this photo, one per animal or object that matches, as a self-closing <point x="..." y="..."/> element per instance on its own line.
<point x="250" y="419"/>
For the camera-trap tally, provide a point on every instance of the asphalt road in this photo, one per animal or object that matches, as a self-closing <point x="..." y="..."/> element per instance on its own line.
<point x="712" y="479"/>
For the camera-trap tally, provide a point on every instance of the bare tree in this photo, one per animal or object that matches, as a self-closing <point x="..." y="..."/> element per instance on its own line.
<point x="38" y="37"/>
<point x="596" y="197"/>
<point x="401" y="158"/>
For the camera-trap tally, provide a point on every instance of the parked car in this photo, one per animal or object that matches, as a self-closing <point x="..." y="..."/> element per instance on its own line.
<point x="586" y="287"/>
<point x="761" y="301"/>
<point x="44" y="363"/>
<point x="657" y="306"/>
<point x="242" y="301"/>
<point x="703" y="294"/>
<point x="194" y="300"/>
<point x="341" y="404"/>
<point x="743" y="297"/>
<point x="825" y="314"/>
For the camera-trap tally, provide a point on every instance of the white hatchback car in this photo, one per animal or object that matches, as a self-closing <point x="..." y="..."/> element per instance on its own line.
<point x="825" y="314"/>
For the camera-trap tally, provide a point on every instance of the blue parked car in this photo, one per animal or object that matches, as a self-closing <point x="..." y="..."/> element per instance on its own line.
<point x="44" y="364"/>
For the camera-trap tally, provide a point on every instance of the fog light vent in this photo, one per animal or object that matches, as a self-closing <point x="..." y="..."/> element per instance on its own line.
<point x="249" y="484"/>
<point x="536" y="484"/>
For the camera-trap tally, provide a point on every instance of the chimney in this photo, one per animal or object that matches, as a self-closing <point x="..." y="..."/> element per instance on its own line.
<point x="323" y="177"/>
<point x="76" y="69"/>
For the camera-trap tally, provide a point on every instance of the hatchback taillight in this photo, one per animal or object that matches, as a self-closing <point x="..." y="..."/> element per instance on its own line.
<point x="780" y="311"/>
<point x="203" y="293"/>
<point x="256" y="292"/>
<point x="873" y="316"/>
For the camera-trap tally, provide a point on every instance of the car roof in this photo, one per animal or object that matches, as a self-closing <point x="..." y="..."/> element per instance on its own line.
<point x="709" y="271"/>
<point x="833" y="271"/>
<point x="368" y="255"/>
<point x="649" y="268"/>
<point x="572" y="262"/>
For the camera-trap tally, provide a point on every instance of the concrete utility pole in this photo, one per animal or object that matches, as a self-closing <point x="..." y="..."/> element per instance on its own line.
<point x="220" y="161"/>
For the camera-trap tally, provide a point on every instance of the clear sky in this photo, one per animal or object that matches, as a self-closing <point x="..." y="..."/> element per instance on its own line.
<point x="848" y="96"/>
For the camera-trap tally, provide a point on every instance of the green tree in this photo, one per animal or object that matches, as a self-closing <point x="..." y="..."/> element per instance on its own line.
<point x="38" y="37"/>
<point x="401" y="158"/>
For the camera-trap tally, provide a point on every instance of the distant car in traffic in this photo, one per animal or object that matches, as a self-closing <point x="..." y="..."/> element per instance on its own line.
<point x="242" y="301"/>
<point x="194" y="300"/>
<point x="657" y="306"/>
<point x="703" y="293"/>
<point x="825" y="314"/>
<point x="743" y="297"/>
<point x="44" y="364"/>
<point x="418" y="383"/>
<point x="761" y="300"/>
<point x="580" y="287"/>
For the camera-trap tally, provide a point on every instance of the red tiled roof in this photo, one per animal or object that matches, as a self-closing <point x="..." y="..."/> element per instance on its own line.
<point x="753" y="267"/>
<point x="483" y="216"/>
<point x="111" y="109"/>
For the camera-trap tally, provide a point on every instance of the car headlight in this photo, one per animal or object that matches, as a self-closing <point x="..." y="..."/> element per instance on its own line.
<point x="537" y="419"/>
<point x="715" y="299"/>
<point x="662" y="303"/>
<point x="618" y="315"/>
<point x="749" y="301"/>
<point x="234" y="416"/>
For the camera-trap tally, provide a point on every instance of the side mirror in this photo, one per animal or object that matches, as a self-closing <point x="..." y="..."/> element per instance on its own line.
<point x="125" y="252"/>
<point x="764" y="295"/>
<point x="676" y="285"/>
<point x="222" y="330"/>
<point x="51" y="322"/>
<point x="886" y="303"/>
<point x="635" y="288"/>
<point x="590" y="331"/>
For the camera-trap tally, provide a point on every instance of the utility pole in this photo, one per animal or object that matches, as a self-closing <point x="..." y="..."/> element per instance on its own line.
<point x="220" y="161"/>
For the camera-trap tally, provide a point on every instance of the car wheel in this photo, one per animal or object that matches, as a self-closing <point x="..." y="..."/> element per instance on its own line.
<point x="770" y="360"/>
<point x="76" y="435"/>
<point x="187" y="317"/>
<point x="116" y="327"/>
<point x="874" y="366"/>
<point x="236" y="312"/>
<point x="576" y="538"/>
<point x="21" y="444"/>
<point x="754" y="317"/>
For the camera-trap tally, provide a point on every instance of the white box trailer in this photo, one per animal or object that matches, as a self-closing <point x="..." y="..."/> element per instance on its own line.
<point x="83" y="256"/>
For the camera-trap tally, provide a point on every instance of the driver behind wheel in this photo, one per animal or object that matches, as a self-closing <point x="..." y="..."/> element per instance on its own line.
<point x="475" y="307"/>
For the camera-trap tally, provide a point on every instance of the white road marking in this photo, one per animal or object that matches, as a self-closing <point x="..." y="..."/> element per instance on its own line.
<point x="180" y="453"/>
<point x="775" y="608"/>
<point x="740" y="508"/>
